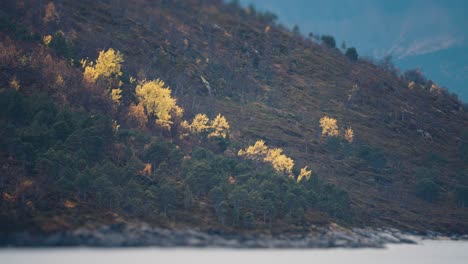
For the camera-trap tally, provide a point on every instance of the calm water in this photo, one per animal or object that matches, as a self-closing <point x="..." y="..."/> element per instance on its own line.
<point x="427" y="252"/>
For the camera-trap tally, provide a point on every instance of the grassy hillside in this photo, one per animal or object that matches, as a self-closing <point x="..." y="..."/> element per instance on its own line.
<point x="72" y="157"/>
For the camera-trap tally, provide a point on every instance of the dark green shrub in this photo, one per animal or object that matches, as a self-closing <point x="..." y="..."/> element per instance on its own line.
<point x="163" y="151"/>
<point x="249" y="220"/>
<point x="60" y="45"/>
<point x="333" y="144"/>
<point x="427" y="190"/>
<point x="329" y="41"/>
<point x="352" y="54"/>
<point x="296" y="30"/>
<point x="168" y="196"/>
<point x="374" y="157"/>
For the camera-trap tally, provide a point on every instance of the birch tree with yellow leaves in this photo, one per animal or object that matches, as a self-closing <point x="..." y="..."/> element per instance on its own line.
<point x="106" y="71"/>
<point x="219" y="127"/>
<point x="329" y="126"/>
<point x="157" y="100"/>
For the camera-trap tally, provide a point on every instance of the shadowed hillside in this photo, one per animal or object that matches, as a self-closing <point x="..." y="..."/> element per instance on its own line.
<point x="405" y="165"/>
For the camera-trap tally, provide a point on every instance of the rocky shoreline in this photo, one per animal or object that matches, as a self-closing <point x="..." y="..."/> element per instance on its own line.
<point x="140" y="235"/>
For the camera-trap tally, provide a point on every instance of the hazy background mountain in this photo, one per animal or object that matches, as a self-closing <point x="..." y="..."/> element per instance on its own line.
<point x="429" y="35"/>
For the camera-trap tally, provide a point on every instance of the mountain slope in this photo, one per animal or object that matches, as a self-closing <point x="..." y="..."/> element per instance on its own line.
<point x="274" y="85"/>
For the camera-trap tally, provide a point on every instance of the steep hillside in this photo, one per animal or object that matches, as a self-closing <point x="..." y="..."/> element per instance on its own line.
<point x="269" y="83"/>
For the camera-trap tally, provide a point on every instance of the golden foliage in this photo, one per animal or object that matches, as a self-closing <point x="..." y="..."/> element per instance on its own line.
<point x="59" y="80"/>
<point x="157" y="100"/>
<point x="8" y="197"/>
<point x="281" y="163"/>
<point x="219" y="126"/>
<point x="14" y="84"/>
<point x="47" y="39"/>
<point x="137" y="116"/>
<point x="107" y="65"/>
<point x="69" y="204"/>
<point x="106" y="71"/>
<point x="200" y="124"/>
<point x="435" y="89"/>
<point x="146" y="170"/>
<point x="116" y="95"/>
<point x="349" y="135"/>
<point x="329" y="126"/>
<point x="185" y="125"/>
<point x="305" y="173"/>
<point x="258" y="151"/>
<point x="184" y="129"/>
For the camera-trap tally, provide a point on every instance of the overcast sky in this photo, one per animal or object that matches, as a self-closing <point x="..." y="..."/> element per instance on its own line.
<point x="429" y="34"/>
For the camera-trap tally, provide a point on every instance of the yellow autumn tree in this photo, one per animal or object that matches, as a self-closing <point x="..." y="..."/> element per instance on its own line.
<point x="146" y="171"/>
<point x="106" y="71"/>
<point x="200" y="124"/>
<point x="349" y="135"/>
<point x="329" y="126"/>
<point x="257" y="151"/>
<point x="107" y="65"/>
<point x="157" y="100"/>
<point x="260" y="152"/>
<point x="219" y="127"/>
<point x="116" y="95"/>
<point x="281" y="163"/>
<point x="305" y="173"/>
<point x="47" y="39"/>
<point x="184" y="129"/>
<point x="15" y="84"/>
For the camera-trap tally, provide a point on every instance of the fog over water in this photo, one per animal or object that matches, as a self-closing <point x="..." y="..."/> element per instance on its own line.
<point x="427" y="252"/>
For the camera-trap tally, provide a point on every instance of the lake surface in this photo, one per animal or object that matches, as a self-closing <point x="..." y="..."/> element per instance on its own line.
<point x="427" y="252"/>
